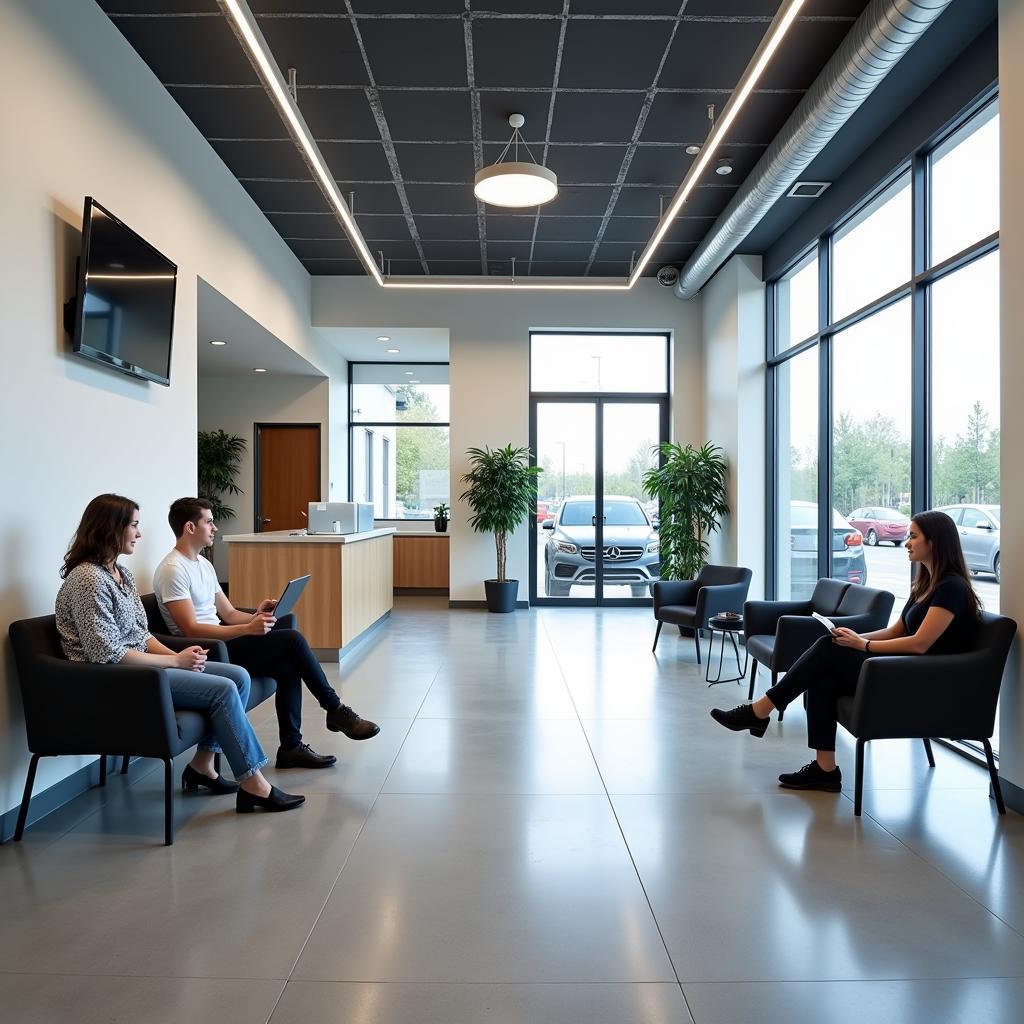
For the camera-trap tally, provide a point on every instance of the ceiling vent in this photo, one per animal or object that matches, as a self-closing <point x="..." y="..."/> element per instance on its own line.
<point x="808" y="189"/>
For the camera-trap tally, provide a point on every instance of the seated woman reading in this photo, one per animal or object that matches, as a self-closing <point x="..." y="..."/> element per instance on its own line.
<point x="100" y="619"/>
<point x="939" y="618"/>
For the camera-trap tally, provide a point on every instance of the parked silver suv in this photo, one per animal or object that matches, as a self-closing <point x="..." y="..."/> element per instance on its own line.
<point x="631" y="548"/>
<point x="978" y="526"/>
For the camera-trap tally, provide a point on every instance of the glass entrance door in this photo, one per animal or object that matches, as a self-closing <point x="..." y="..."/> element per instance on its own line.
<point x="596" y="533"/>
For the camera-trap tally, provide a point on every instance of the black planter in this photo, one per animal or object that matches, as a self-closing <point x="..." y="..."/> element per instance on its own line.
<point x="501" y="597"/>
<point x="440" y="525"/>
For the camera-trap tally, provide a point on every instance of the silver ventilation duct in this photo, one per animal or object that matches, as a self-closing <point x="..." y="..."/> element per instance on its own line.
<point x="879" y="38"/>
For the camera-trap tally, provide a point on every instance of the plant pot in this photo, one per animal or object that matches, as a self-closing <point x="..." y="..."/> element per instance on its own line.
<point x="440" y="525"/>
<point x="501" y="597"/>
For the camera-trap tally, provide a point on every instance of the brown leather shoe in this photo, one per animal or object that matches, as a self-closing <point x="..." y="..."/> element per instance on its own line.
<point x="344" y="719"/>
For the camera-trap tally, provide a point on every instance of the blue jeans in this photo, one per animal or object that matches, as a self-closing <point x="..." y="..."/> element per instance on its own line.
<point x="220" y="693"/>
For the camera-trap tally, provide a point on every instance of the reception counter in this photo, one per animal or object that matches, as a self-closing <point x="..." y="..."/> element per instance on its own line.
<point x="351" y="588"/>
<point x="421" y="562"/>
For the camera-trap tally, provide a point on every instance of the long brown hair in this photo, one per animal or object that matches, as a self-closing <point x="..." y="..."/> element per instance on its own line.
<point x="100" y="533"/>
<point x="947" y="558"/>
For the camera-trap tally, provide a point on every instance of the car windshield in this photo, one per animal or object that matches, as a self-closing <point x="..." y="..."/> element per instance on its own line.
<point x="994" y="513"/>
<point x="616" y="513"/>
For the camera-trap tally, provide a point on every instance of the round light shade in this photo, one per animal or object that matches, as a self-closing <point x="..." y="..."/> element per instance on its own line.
<point x="515" y="185"/>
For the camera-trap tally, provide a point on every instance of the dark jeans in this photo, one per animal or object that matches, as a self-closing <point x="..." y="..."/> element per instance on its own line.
<point x="284" y="654"/>
<point x="825" y="673"/>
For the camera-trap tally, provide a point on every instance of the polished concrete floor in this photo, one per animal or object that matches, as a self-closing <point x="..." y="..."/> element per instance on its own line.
<point x="549" y="828"/>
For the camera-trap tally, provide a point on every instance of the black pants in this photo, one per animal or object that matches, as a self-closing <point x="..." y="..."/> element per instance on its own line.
<point x="284" y="654"/>
<point x="825" y="673"/>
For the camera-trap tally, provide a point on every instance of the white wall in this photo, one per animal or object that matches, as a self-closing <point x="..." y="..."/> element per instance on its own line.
<point x="83" y="115"/>
<point x="489" y="355"/>
<point x="235" y="405"/>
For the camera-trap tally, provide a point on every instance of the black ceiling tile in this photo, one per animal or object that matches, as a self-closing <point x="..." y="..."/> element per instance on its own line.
<point x="441" y="198"/>
<point x="338" y="114"/>
<point x="455" y="268"/>
<point x="761" y="117"/>
<point x="427" y="116"/>
<point x="664" y="7"/>
<point x="638" y="202"/>
<point x="393" y="250"/>
<point x="439" y="162"/>
<point x="189" y="50"/>
<point x="658" y="165"/>
<point x="439" y="250"/>
<point x="447" y="228"/>
<point x="585" y="163"/>
<point x="804" y="52"/>
<point x="306" y="225"/>
<point x="547" y="251"/>
<point x="587" y="200"/>
<point x="338" y="248"/>
<point x="512" y="54"/>
<point x="323" y="51"/>
<point x="381" y="225"/>
<point x="415" y="51"/>
<point x="742" y="8"/>
<point x="589" y="117"/>
<point x="159" y="6"/>
<point x="682" y="117"/>
<point x="495" y="107"/>
<point x="511" y="227"/>
<point x="571" y="229"/>
<point x="612" y="54"/>
<point x="615" y="252"/>
<point x="398" y="6"/>
<point x="407" y="267"/>
<point x="630" y="230"/>
<point x="552" y="268"/>
<point x="262" y="159"/>
<point x="677" y="254"/>
<point x="523" y="6"/>
<point x="285" y="195"/>
<point x="835" y="8"/>
<point x="231" y="113"/>
<point x="609" y="268"/>
<point x="505" y="251"/>
<point x="711" y="55"/>
<point x="356" y="161"/>
<point x="372" y="198"/>
<point x="687" y="230"/>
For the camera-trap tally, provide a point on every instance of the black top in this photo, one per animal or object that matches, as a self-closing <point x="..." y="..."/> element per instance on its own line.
<point x="950" y="594"/>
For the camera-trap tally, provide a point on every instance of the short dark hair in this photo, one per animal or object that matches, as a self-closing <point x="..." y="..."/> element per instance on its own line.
<point x="186" y="510"/>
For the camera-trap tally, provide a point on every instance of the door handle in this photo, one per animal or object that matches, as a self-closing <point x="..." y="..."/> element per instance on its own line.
<point x="265" y="519"/>
<point x="593" y="520"/>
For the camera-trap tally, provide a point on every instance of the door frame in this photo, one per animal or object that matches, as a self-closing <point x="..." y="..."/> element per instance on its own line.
<point x="599" y="400"/>
<point x="257" y="482"/>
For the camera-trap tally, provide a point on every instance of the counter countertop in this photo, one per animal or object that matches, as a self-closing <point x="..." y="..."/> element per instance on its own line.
<point x="293" y="536"/>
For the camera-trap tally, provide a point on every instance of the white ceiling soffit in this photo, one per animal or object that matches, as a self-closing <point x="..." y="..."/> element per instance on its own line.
<point x="244" y="25"/>
<point x="414" y="344"/>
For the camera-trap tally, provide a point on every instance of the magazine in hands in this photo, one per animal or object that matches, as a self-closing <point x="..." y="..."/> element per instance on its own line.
<point x="290" y="596"/>
<point x="826" y="622"/>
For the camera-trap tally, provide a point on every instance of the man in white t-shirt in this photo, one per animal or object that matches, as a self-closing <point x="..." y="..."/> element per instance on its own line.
<point x="193" y="604"/>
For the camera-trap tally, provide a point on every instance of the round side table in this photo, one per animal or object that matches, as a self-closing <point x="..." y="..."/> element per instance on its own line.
<point x="725" y="627"/>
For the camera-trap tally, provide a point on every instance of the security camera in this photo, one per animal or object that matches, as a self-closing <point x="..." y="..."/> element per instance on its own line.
<point x="668" y="276"/>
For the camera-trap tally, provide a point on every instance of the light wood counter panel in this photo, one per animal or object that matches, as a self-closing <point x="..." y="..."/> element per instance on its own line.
<point x="421" y="560"/>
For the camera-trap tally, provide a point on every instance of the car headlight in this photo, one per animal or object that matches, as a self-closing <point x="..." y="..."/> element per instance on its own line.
<point x="654" y="547"/>
<point x="569" y="549"/>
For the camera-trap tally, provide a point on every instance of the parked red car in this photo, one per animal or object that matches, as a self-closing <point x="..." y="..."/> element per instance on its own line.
<point x="878" y="524"/>
<point x="546" y="510"/>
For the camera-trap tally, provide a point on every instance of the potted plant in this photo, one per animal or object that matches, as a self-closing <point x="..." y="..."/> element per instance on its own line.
<point x="690" y="488"/>
<point x="442" y="513"/>
<point x="220" y="458"/>
<point x="502" y="493"/>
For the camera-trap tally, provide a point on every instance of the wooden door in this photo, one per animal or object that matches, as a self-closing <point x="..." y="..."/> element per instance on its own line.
<point x="287" y="474"/>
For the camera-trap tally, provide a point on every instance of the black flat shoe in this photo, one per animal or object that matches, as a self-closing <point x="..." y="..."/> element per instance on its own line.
<point x="303" y="756"/>
<point x="344" y="719"/>
<point x="811" y="776"/>
<point x="191" y="780"/>
<point x="246" y="803"/>
<point x="740" y="718"/>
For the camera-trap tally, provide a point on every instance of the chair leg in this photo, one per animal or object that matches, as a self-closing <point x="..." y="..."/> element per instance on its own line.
<point x="168" y="803"/>
<point x="124" y="764"/>
<point x="696" y="642"/>
<point x="775" y="679"/>
<point x="19" y="829"/>
<point x="928" y="750"/>
<point x="858" y="780"/>
<point x="753" y="676"/>
<point x="997" y="790"/>
<point x="103" y="769"/>
<point x="656" y="635"/>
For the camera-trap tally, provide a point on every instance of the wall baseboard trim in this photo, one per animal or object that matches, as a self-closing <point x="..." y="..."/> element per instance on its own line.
<point x="1013" y="795"/>
<point x="421" y="591"/>
<point x="481" y="604"/>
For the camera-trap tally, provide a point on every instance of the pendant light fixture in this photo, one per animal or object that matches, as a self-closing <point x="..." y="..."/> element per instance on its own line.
<point x="515" y="183"/>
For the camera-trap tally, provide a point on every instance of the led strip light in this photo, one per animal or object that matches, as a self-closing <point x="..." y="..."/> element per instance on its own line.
<point x="255" y="45"/>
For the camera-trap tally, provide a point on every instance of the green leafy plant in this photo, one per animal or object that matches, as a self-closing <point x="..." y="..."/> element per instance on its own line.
<point x="690" y="488"/>
<point x="502" y="493"/>
<point x="442" y="511"/>
<point x="220" y="458"/>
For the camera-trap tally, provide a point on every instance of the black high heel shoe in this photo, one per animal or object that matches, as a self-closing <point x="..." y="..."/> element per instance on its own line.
<point x="246" y="803"/>
<point x="191" y="780"/>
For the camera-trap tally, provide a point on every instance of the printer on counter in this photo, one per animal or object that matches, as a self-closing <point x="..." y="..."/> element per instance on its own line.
<point x="340" y="517"/>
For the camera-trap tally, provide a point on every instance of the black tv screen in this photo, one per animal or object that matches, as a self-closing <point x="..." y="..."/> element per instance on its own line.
<point x="124" y="314"/>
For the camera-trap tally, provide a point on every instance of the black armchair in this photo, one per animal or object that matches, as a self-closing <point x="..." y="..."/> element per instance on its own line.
<point x="690" y="603"/>
<point x="923" y="696"/>
<point x="779" y="632"/>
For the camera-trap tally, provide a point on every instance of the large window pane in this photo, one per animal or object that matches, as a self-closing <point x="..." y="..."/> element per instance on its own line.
<point x="599" y="363"/>
<point x="390" y="392"/>
<point x="796" y="304"/>
<point x="796" y="537"/>
<point x="871" y="451"/>
<point x="421" y="471"/>
<point x="871" y="254"/>
<point x="965" y="186"/>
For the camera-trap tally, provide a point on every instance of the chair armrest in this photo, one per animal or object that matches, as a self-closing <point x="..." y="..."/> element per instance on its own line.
<point x="667" y="592"/>
<point x="217" y="649"/>
<point x="760" y="618"/>
<point x="794" y="636"/>
<point x="924" y="695"/>
<point x="78" y="707"/>
<point x="725" y="597"/>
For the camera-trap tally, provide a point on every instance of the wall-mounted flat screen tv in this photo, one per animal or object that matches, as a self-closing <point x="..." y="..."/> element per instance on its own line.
<point x="124" y="309"/>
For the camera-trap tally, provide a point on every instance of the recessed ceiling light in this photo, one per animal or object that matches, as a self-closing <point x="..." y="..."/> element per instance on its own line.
<point x="723" y="167"/>
<point x="218" y="343"/>
<point x="383" y="337"/>
<point x="409" y="373"/>
<point x="259" y="369"/>
<point x="393" y="351"/>
<point x="692" y="150"/>
<point x="414" y="381"/>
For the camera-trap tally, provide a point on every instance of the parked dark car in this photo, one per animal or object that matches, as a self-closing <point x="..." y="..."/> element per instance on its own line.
<point x="978" y="526"/>
<point x="848" y="562"/>
<point x="631" y="547"/>
<point x="880" y="524"/>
